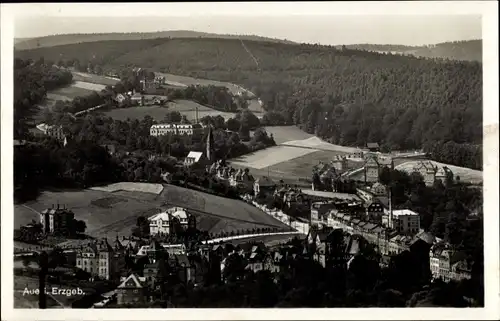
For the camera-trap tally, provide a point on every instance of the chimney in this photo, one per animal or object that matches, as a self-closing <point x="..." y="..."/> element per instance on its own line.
<point x="390" y="208"/>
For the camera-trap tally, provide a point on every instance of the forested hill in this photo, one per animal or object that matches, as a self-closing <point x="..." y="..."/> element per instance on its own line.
<point x="470" y="50"/>
<point x="347" y="96"/>
<point x="68" y="39"/>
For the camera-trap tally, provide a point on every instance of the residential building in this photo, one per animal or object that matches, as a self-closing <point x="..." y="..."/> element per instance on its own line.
<point x="447" y="264"/>
<point x="339" y="163"/>
<point x="193" y="158"/>
<point x="319" y="209"/>
<point x="374" y="210"/>
<point x="176" y="129"/>
<point x="121" y="98"/>
<point x="132" y="290"/>
<point x="427" y="170"/>
<point x="242" y="179"/>
<point x="373" y="165"/>
<point x="54" y="131"/>
<point x="404" y="221"/>
<point x="98" y="258"/>
<point x="264" y="185"/>
<point x="138" y="99"/>
<point x="167" y="221"/>
<point x="57" y="221"/>
<point x="373" y="147"/>
<point x="372" y="169"/>
<point x="444" y="174"/>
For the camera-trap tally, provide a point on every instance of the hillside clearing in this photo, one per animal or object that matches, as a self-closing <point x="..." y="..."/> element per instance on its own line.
<point x="94" y="79"/>
<point x="88" y="85"/>
<point x="72" y="91"/>
<point x="283" y="134"/>
<point x="271" y="156"/>
<point x="317" y="143"/>
<point x="185" y="107"/>
<point x="302" y="166"/>
<point x="108" y="214"/>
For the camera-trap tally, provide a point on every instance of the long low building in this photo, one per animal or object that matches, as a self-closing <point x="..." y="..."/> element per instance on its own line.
<point x="176" y="129"/>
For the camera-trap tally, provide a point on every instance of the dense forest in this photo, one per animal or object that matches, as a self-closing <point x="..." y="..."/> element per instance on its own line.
<point x="31" y="83"/>
<point x="469" y="50"/>
<point x="349" y="97"/>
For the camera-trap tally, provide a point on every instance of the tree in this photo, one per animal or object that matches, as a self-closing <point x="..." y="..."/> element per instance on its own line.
<point x="80" y="226"/>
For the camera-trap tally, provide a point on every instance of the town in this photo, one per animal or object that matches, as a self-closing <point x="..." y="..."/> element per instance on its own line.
<point x="240" y="172"/>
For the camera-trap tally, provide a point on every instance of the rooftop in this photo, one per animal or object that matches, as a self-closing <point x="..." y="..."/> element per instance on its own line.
<point x="403" y="212"/>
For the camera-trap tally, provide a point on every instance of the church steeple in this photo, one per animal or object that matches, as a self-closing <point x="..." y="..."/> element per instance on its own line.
<point x="210" y="145"/>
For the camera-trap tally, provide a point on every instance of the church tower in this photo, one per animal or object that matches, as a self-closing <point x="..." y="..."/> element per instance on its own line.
<point x="210" y="145"/>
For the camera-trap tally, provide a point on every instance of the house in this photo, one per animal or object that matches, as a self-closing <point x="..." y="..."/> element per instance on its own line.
<point x="195" y="130"/>
<point x="372" y="169"/>
<point x="242" y="179"/>
<point x="373" y="166"/>
<point x="339" y="163"/>
<point x="319" y="209"/>
<point x="444" y="174"/>
<point x="427" y="170"/>
<point x="167" y="221"/>
<point x="373" y="147"/>
<point x="57" y="221"/>
<point x="374" y="209"/>
<point x="54" y="131"/>
<point x="447" y="264"/>
<point x="192" y="158"/>
<point x="98" y="258"/>
<point x="121" y="98"/>
<point x="137" y="99"/>
<point x="404" y="221"/>
<point x="132" y="290"/>
<point x="264" y="185"/>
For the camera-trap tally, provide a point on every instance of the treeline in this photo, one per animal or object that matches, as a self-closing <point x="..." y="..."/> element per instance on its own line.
<point x="32" y="80"/>
<point x="469" y="50"/>
<point x="467" y="155"/>
<point x="346" y="96"/>
<point x="216" y="97"/>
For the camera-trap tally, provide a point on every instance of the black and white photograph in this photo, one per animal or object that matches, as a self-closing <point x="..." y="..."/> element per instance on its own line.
<point x="237" y="156"/>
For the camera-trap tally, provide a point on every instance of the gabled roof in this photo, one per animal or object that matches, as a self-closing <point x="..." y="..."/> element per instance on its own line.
<point x="425" y="165"/>
<point x="372" y="145"/>
<point x="196" y="155"/>
<point x="131" y="282"/>
<point x="164" y="216"/>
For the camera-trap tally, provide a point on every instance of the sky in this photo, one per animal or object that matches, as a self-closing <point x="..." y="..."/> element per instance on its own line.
<point x="330" y="25"/>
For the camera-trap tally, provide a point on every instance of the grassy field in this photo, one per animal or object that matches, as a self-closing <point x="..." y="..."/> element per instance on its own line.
<point x="271" y="156"/>
<point x="115" y="213"/>
<point x="71" y="92"/>
<point x="94" y="79"/>
<point x="185" y="107"/>
<point x="302" y="166"/>
<point x="283" y="134"/>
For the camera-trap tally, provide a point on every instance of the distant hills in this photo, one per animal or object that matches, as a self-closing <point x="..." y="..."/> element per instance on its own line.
<point x="68" y="39"/>
<point x="470" y="50"/>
